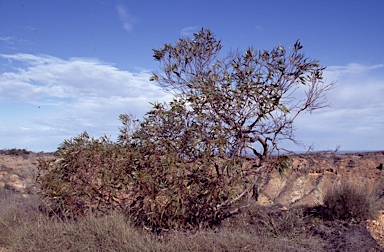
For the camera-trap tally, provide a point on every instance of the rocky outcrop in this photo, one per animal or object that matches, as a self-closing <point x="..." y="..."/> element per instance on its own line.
<point x="312" y="174"/>
<point x="17" y="171"/>
<point x="376" y="228"/>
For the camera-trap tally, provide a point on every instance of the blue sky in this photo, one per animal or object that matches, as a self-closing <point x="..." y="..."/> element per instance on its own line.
<point x="68" y="66"/>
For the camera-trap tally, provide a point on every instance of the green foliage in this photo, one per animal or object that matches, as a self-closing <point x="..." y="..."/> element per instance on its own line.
<point x="177" y="196"/>
<point x="177" y="182"/>
<point x="282" y="163"/>
<point x="250" y="99"/>
<point x="154" y="186"/>
<point x="89" y="175"/>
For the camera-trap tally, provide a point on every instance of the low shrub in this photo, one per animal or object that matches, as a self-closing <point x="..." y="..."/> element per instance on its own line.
<point x="347" y="202"/>
<point x="271" y="221"/>
<point x="156" y="191"/>
<point x="89" y="175"/>
<point x="148" y="176"/>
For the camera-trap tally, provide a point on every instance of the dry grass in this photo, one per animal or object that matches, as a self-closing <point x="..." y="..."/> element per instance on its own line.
<point x="348" y="202"/>
<point x="14" y="212"/>
<point x="109" y="233"/>
<point x="112" y="233"/>
<point x="24" y="228"/>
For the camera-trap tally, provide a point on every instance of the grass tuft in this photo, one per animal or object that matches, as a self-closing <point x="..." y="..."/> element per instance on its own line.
<point x="348" y="202"/>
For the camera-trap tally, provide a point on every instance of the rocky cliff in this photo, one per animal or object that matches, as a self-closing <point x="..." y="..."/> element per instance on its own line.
<point x="312" y="174"/>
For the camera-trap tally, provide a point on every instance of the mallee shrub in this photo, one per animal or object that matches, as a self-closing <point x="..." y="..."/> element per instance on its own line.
<point x="182" y="165"/>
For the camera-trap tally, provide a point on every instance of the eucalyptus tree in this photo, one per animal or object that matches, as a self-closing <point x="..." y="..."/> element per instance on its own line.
<point x="231" y="104"/>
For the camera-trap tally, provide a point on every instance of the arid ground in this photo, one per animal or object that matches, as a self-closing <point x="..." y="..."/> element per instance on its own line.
<point x="280" y="198"/>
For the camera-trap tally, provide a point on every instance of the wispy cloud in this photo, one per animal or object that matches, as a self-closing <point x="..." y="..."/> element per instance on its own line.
<point x="8" y="40"/>
<point x="188" y="31"/>
<point x="5" y="38"/>
<point x="124" y="16"/>
<point x="30" y="28"/>
<point x="358" y="85"/>
<point x="352" y="69"/>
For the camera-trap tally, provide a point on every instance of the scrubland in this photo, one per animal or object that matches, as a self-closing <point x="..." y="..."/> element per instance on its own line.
<point x="337" y="225"/>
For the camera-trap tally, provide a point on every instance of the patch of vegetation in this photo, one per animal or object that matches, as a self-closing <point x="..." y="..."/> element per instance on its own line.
<point x="347" y="202"/>
<point x="155" y="190"/>
<point x="89" y="176"/>
<point x="16" y="152"/>
<point x="25" y="228"/>
<point x="15" y="211"/>
<point x="273" y="221"/>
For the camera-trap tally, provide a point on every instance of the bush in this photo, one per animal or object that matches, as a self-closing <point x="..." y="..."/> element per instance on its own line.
<point x="156" y="188"/>
<point x="271" y="221"/>
<point x="89" y="175"/>
<point x="178" y="195"/>
<point x="178" y="179"/>
<point x="182" y="166"/>
<point x="347" y="202"/>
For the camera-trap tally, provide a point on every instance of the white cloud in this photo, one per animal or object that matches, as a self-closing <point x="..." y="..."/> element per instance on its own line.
<point x="351" y="69"/>
<point x="49" y="76"/>
<point x="188" y="31"/>
<point x="358" y="86"/>
<point x="124" y="16"/>
<point x="354" y="120"/>
<point x="6" y="39"/>
<point x="87" y="94"/>
<point x="73" y="95"/>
